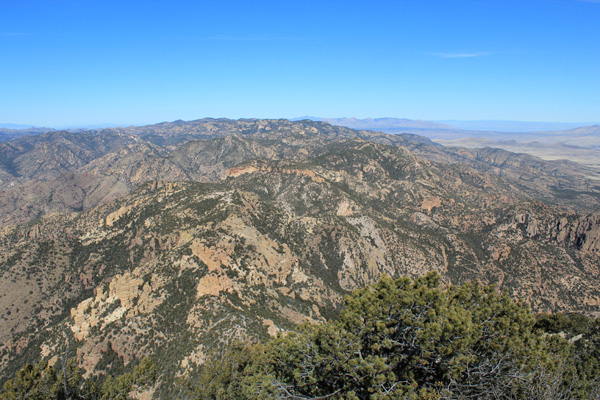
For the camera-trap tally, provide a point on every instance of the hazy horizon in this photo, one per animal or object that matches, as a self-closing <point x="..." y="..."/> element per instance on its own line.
<point x="475" y="125"/>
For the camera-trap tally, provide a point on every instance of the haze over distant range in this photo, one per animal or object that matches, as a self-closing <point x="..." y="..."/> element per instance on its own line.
<point x="392" y="123"/>
<point x="384" y="123"/>
<point x="547" y="140"/>
<point x="516" y="126"/>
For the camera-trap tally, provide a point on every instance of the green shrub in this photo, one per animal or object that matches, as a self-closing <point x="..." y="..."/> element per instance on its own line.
<point x="401" y="339"/>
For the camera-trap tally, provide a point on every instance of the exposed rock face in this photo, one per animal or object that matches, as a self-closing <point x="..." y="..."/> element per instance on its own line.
<point x="571" y="230"/>
<point x="237" y="171"/>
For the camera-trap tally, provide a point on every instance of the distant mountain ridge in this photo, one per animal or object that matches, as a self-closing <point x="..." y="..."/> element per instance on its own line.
<point x="532" y="139"/>
<point x="392" y="125"/>
<point x="115" y="161"/>
<point x="8" y="133"/>
<point x="15" y="126"/>
<point x="514" y="126"/>
<point x="381" y="124"/>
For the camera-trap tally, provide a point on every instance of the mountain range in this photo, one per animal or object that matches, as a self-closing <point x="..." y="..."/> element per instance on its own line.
<point x="171" y="239"/>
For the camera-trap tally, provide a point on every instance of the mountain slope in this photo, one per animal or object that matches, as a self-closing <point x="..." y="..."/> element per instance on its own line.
<point x="176" y="267"/>
<point x="114" y="162"/>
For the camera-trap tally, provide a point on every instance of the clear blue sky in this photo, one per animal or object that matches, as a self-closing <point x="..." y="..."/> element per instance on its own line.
<point x="87" y="61"/>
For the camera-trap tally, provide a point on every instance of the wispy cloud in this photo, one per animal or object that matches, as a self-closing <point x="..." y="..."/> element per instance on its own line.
<point x="252" y="38"/>
<point x="12" y="34"/>
<point x="589" y="1"/>
<point x="462" y="54"/>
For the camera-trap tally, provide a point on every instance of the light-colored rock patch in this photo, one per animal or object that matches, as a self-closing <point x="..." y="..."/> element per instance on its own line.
<point x="430" y="204"/>
<point x="115" y="215"/>
<point x="99" y="311"/>
<point x="213" y="285"/>
<point x="213" y="258"/>
<point x="345" y="209"/>
<point x="272" y="329"/>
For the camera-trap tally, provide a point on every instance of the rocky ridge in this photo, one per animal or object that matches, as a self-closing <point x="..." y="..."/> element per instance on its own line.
<point x="91" y="167"/>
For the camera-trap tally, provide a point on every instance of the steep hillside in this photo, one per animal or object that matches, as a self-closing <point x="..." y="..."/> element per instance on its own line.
<point x="176" y="267"/>
<point x="50" y="154"/>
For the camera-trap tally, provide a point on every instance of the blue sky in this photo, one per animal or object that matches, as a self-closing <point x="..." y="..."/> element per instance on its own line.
<point x="136" y="62"/>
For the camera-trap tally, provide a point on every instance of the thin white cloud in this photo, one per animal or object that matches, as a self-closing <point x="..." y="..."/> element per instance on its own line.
<point x="257" y="38"/>
<point x="461" y="55"/>
<point x="12" y="34"/>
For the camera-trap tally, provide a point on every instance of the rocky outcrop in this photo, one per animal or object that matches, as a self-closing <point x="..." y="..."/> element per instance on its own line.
<point x="568" y="230"/>
<point x="131" y="296"/>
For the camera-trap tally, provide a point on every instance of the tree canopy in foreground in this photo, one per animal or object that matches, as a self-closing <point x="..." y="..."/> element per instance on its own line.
<point x="404" y="339"/>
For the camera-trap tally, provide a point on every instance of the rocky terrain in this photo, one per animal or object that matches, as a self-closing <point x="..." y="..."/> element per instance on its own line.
<point x="74" y="171"/>
<point x="170" y="239"/>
